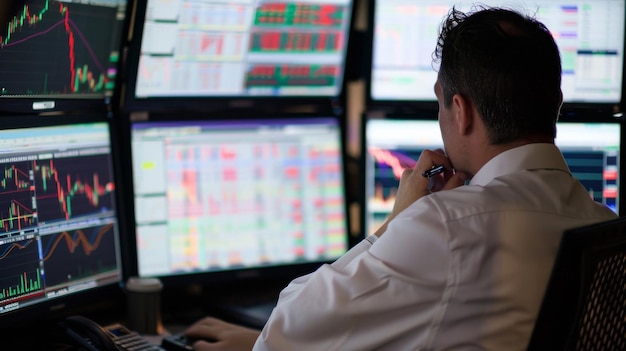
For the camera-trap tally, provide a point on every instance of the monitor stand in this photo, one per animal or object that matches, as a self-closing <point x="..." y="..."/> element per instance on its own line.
<point x="249" y="305"/>
<point x="252" y="315"/>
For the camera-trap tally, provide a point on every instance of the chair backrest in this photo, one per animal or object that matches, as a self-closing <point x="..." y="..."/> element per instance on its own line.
<point x="584" y="307"/>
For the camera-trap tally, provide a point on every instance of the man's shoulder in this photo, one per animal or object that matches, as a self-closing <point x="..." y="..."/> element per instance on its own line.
<point x="557" y="193"/>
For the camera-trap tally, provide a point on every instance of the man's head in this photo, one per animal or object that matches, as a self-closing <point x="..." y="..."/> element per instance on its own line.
<point x="508" y="66"/>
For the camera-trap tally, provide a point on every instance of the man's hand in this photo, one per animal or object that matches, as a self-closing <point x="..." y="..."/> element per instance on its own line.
<point x="413" y="185"/>
<point x="229" y="337"/>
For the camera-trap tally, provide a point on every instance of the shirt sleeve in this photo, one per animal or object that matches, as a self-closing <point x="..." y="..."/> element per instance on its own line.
<point x="368" y="297"/>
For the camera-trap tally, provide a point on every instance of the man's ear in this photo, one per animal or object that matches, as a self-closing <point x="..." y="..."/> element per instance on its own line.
<point x="463" y="112"/>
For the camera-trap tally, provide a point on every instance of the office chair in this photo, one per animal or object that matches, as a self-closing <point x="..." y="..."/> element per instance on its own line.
<point x="584" y="307"/>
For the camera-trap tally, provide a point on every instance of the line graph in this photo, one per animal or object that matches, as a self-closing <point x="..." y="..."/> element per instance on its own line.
<point x="51" y="47"/>
<point x="388" y="165"/>
<point x="72" y="255"/>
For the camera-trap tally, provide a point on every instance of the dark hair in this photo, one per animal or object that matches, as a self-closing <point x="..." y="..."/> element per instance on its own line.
<point x="508" y="64"/>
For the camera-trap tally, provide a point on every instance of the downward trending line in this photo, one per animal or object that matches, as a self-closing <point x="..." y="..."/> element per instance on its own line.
<point x="80" y="34"/>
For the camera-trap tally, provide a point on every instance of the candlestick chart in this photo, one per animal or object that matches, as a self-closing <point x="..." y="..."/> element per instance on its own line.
<point x="50" y="47"/>
<point x="17" y="210"/>
<point x="73" y="187"/>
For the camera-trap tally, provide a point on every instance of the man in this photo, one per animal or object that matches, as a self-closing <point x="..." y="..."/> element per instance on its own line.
<point x="455" y="266"/>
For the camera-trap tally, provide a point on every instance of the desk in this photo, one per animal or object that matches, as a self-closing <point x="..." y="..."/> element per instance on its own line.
<point x="181" y="307"/>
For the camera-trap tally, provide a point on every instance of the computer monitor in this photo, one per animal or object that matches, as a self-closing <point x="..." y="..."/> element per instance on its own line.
<point x="59" y="239"/>
<point x="218" y="201"/>
<point x="192" y="50"/>
<point x="59" y="55"/>
<point x="390" y="146"/>
<point x="590" y="36"/>
<point x="591" y="150"/>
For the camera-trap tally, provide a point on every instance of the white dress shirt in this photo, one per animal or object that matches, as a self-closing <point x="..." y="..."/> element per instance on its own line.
<point x="463" y="269"/>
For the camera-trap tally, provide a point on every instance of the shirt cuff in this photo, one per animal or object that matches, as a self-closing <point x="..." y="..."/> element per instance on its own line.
<point x="371" y="239"/>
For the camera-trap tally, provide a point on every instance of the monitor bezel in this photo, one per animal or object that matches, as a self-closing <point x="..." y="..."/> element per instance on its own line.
<point x="570" y="109"/>
<point x="362" y="160"/>
<point x="97" y="300"/>
<point x="423" y="115"/>
<point x="223" y="103"/>
<point x="70" y="103"/>
<point x="227" y="277"/>
<point x="618" y="119"/>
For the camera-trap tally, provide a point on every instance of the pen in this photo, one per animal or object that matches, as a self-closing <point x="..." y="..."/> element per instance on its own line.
<point x="433" y="171"/>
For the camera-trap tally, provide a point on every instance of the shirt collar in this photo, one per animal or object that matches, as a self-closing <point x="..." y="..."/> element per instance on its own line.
<point x="529" y="156"/>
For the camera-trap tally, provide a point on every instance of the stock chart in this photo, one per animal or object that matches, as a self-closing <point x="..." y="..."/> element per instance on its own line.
<point x="51" y="47"/>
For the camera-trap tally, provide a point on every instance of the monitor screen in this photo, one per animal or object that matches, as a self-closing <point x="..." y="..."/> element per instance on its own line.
<point x="390" y="146"/>
<point x="59" y="234"/>
<point x="229" y="196"/>
<point x="590" y="36"/>
<point x="239" y="48"/>
<point x="591" y="150"/>
<point x="59" y="55"/>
